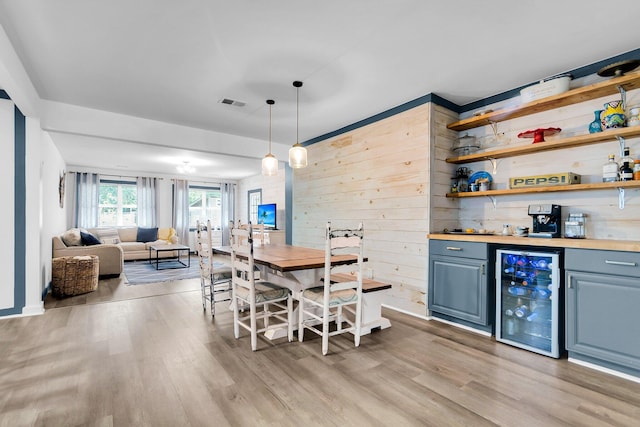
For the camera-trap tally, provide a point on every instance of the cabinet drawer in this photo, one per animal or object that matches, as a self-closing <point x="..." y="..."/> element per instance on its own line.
<point x="604" y="262"/>
<point x="461" y="249"/>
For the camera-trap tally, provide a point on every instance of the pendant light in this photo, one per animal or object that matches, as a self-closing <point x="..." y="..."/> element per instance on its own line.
<point x="270" y="163"/>
<point x="297" y="153"/>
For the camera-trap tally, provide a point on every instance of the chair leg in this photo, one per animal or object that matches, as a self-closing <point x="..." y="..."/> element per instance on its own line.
<point x="300" y="320"/>
<point x="254" y="327"/>
<point x="290" y="318"/>
<point x="236" y="315"/>
<point x="358" y="323"/>
<point x="204" y="298"/>
<point x="325" y="331"/>
<point x="213" y="303"/>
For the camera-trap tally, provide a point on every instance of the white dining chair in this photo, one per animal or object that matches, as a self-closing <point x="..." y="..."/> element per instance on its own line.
<point x="215" y="276"/>
<point x="260" y="238"/>
<point x="251" y="294"/>
<point x="331" y="301"/>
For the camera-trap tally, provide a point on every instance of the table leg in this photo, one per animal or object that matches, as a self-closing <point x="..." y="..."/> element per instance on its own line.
<point x="372" y="312"/>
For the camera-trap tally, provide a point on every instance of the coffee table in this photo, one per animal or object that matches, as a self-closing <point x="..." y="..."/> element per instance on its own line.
<point x="178" y="263"/>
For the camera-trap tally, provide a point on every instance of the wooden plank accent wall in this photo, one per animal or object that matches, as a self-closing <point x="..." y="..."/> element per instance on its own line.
<point x="377" y="174"/>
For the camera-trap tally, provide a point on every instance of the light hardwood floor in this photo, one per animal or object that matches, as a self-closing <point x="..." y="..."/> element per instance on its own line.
<point x="128" y="356"/>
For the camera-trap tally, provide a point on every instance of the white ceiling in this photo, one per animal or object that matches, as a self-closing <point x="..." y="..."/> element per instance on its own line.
<point x="171" y="62"/>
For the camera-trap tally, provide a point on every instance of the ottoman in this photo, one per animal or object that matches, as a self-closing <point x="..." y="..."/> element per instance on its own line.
<point x="74" y="275"/>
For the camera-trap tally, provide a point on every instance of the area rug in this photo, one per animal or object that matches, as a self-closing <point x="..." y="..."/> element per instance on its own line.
<point x="142" y="272"/>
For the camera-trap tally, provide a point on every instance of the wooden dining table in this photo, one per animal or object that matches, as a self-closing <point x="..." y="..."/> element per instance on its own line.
<point x="296" y="268"/>
<point x="285" y="258"/>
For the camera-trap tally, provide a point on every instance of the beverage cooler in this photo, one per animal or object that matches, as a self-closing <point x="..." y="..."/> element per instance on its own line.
<point x="528" y="297"/>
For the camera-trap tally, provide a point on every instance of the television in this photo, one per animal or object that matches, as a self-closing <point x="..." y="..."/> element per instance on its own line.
<point x="267" y="216"/>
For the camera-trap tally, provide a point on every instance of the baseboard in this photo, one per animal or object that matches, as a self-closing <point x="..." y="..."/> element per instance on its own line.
<point x="410" y="313"/>
<point x="605" y="370"/>
<point x="465" y="327"/>
<point x="33" y="310"/>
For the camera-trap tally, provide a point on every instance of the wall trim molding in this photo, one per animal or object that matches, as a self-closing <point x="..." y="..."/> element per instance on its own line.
<point x="20" y="203"/>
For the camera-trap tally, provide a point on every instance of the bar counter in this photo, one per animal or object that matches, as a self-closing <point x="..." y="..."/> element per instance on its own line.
<point x="604" y="244"/>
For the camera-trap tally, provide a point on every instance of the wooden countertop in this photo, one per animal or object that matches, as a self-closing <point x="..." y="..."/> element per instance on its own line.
<point x="611" y="245"/>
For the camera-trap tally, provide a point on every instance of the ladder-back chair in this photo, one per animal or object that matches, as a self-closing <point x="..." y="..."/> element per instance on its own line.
<point x="322" y="305"/>
<point x="251" y="294"/>
<point x="215" y="277"/>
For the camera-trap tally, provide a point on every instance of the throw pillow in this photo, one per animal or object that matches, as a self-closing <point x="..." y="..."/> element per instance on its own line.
<point x="89" y="239"/>
<point x="72" y="237"/>
<point x="166" y="234"/>
<point x="147" y="234"/>
<point x="109" y="235"/>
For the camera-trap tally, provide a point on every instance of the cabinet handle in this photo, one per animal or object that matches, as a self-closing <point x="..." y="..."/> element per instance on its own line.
<point x="482" y="270"/>
<point x="569" y="277"/>
<point x="625" y="263"/>
<point x="453" y="248"/>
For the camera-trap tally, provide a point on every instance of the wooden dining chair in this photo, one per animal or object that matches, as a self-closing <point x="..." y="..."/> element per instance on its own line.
<point x="251" y="294"/>
<point x="215" y="276"/>
<point x="330" y="302"/>
<point x="259" y="236"/>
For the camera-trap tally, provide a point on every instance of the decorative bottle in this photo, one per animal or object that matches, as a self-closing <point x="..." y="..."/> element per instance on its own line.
<point x="626" y="158"/>
<point x="610" y="170"/>
<point x="596" y="125"/>
<point x="614" y="115"/>
<point x="626" y="173"/>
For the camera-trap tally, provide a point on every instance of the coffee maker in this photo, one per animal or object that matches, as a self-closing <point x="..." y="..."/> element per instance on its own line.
<point x="546" y="220"/>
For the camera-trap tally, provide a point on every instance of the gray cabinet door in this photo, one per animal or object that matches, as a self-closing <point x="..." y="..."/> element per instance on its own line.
<point x="602" y="317"/>
<point x="458" y="288"/>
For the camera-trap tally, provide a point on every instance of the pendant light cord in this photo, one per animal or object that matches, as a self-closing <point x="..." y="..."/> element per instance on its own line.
<point x="270" y="102"/>
<point x="270" y="105"/>
<point x="297" y="84"/>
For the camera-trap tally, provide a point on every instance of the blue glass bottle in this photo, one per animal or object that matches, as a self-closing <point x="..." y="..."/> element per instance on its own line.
<point x="596" y="125"/>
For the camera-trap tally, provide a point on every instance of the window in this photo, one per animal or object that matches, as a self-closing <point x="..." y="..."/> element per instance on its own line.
<point x="254" y="199"/>
<point x="205" y="204"/>
<point x="118" y="204"/>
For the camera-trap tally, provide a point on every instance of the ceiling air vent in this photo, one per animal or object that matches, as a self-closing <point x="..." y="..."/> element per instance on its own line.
<point x="232" y="102"/>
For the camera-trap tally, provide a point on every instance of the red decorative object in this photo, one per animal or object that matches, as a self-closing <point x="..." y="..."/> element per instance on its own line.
<point x="539" y="134"/>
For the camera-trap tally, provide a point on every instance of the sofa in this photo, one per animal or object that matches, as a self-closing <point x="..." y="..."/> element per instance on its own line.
<point x="113" y="245"/>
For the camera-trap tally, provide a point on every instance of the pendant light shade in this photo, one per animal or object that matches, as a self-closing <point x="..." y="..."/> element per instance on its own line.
<point x="269" y="162"/>
<point x="297" y="153"/>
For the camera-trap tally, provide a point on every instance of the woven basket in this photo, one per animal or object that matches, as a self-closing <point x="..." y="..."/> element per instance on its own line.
<point x="74" y="275"/>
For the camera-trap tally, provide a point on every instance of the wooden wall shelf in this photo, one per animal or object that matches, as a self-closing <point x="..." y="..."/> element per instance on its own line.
<point x="609" y="87"/>
<point x="559" y="144"/>
<point x="549" y="189"/>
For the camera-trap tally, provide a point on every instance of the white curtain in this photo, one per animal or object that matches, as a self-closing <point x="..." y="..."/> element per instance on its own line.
<point x="87" y="200"/>
<point x="181" y="210"/>
<point x="147" y="207"/>
<point x="228" y="203"/>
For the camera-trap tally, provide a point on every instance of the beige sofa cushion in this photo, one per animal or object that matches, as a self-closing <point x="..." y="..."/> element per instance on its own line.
<point x="108" y="235"/>
<point x="133" y="246"/>
<point x="72" y="237"/>
<point x="128" y="234"/>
